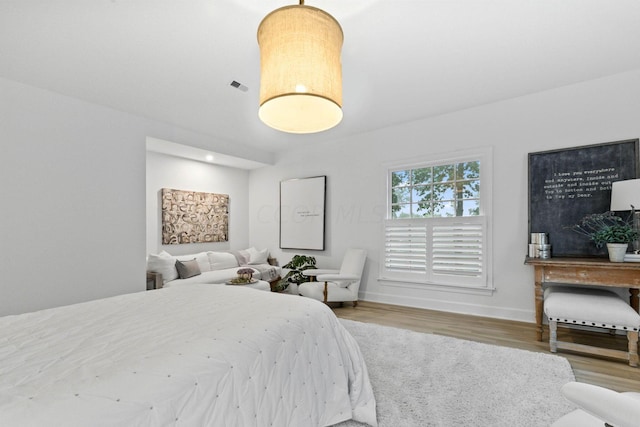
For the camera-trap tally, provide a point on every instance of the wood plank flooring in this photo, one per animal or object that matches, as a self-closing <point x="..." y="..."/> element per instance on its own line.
<point x="610" y="373"/>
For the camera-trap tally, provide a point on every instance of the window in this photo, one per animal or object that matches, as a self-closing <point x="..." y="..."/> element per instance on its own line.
<point x="436" y="191"/>
<point x="436" y="230"/>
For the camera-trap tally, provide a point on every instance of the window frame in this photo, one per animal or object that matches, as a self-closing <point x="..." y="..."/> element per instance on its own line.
<point x="431" y="279"/>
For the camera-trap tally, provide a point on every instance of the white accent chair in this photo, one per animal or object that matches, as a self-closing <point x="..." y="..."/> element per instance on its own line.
<point x="336" y="285"/>
<point x="598" y="406"/>
<point x="594" y="308"/>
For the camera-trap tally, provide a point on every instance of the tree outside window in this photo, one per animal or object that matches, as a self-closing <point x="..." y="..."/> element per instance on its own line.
<point x="451" y="190"/>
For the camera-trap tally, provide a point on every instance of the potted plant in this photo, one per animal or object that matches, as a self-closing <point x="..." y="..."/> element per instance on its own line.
<point x="296" y="266"/>
<point x="608" y="229"/>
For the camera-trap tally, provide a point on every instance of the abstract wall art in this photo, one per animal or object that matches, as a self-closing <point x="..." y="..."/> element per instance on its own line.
<point x="194" y="217"/>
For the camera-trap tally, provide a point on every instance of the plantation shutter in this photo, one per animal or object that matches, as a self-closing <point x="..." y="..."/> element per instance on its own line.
<point x="406" y="248"/>
<point x="436" y="250"/>
<point x="457" y="254"/>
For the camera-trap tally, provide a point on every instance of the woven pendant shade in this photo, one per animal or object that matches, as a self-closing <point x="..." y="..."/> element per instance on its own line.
<point x="300" y="70"/>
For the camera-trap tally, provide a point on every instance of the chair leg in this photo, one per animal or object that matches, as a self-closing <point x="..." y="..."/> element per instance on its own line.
<point x="632" y="336"/>
<point x="553" y="336"/>
<point x="325" y="292"/>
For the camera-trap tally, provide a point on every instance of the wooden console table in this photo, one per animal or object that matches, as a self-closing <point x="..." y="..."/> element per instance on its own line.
<point x="583" y="271"/>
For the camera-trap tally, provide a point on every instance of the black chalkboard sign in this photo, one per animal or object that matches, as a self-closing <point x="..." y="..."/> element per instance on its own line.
<point x="565" y="185"/>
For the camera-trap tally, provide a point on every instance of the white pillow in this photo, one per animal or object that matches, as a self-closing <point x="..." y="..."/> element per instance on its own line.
<point x="258" y="257"/>
<point x="222" y="260"/>
<point x="251" y="251"/>
<point x="245" y="255"/>
<point x="164" y="264"/>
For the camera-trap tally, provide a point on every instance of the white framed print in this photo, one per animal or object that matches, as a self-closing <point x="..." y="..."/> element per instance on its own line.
<point x="302" y="213"/>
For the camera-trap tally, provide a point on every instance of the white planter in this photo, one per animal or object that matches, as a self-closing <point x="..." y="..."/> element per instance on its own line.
<point x="292" y="288"/>
<point x="617" y="251"/>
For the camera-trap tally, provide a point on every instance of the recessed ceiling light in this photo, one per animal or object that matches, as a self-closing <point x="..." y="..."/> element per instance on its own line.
<point x="209" y="158"/>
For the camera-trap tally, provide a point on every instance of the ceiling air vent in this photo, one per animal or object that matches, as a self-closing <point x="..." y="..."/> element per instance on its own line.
<point x="239" y="85"/>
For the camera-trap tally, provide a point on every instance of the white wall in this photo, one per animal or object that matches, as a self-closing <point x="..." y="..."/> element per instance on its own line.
<point x="72" y="225"/>
<point x="165" y="171"/>
<point x="73" y="204"/>
<point x="592" y="112"/>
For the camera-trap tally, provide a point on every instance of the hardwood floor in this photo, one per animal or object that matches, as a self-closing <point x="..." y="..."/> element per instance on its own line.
<point x="610" y="373"/>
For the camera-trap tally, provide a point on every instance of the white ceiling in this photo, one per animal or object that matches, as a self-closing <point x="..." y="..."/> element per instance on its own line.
<point x="173" y="60"/>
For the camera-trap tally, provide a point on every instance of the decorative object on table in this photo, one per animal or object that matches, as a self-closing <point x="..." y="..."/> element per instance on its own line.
<point x="245" y="277"/>
<point x="302" y="213"/>
<point x="238" y="281"/>
<point x="245" y="274"/>
<point x="617" y="251"/>
<point x="628" y="257"/>
<point x="569" y="183"/>
<point x="194" y="217"/>
<point x="296" y="266"/>
<point x="539" y="247"/>
<point x="607" y="229"/>
<point x="625" y="196"/>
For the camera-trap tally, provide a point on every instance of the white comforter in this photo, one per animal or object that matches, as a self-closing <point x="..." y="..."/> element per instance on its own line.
<point x="197" y="355"/>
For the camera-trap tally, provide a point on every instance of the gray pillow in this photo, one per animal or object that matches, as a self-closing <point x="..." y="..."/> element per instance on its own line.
<point x="187" y="269"/>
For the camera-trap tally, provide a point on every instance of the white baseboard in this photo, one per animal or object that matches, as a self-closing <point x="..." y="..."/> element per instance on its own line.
<point x="451" y="306"/>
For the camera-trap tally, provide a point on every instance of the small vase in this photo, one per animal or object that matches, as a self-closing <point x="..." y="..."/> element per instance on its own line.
<point x="617" y="251"/>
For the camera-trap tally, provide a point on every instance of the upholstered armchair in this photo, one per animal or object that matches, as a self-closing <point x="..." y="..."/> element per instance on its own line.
<point x="599" y="407"/>
<point x="336" y="285"/>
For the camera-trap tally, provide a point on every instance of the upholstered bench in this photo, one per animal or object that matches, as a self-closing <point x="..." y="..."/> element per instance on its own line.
<point x="593" y="308"/>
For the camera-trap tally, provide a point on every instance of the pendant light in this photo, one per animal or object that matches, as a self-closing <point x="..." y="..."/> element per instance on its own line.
<point x="300" y="69"/>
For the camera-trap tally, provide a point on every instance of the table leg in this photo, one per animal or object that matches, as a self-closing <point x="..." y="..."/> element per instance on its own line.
<point x="633" y="298"/>
<point x="539" y="301"/>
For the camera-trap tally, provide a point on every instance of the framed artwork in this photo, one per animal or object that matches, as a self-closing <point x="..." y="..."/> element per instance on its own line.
<point x="194" y="217"/>
<point x="567" y="184"/>
<point x="302" y="213"/>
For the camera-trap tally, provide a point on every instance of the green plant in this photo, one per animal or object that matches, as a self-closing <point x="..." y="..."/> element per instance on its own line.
<point x="296" y="266"/>
<point x="605" y="228"/>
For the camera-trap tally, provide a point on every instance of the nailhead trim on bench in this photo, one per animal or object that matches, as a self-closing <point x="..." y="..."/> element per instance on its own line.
<point x="603" y="325"/>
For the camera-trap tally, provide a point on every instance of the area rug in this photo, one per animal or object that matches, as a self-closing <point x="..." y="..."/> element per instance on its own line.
<point x="422" y="380"/>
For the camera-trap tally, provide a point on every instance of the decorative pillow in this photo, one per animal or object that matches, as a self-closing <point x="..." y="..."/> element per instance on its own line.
<point x="222" y="260"/>
<point x="245" y="254"/>
<point x="201" y="258"/>
<point x="164" y="264"/>
<point x="241" y="256"/>
<point x="258" y="257"/>
<point x="187" y="269"/>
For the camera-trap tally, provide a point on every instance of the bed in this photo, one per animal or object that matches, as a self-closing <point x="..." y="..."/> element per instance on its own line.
<point x="200" y="355"/>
